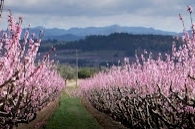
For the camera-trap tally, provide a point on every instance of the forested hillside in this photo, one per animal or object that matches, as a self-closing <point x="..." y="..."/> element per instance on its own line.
<point x="115" y="43"/>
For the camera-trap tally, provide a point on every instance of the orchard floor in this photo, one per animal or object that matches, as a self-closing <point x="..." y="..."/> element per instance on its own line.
<point x="104" y="120"/>
<point x="74" y="113"/>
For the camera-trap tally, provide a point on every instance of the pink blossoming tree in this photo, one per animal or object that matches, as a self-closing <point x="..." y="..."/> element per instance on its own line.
<point x="25" y="87"/>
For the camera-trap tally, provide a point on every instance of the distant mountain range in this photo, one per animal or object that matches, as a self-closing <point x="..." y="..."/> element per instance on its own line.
<point x="80" y="33"/>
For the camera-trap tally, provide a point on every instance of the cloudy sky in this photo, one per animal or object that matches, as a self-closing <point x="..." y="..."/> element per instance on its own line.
<point x="65" y="14"/>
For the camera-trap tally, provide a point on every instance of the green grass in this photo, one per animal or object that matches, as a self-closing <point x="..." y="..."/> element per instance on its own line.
<point x="71" y="115"/>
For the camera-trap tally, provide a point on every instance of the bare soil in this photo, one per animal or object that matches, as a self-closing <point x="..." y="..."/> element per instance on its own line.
<point x="104" y="120"/>
<point x="42" y="116"/>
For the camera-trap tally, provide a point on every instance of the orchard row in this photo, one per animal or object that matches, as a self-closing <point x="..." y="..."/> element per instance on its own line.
<point x="149" y="93"/>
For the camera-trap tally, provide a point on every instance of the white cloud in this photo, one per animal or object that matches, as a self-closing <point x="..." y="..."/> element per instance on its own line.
<point x="160" y="14"/>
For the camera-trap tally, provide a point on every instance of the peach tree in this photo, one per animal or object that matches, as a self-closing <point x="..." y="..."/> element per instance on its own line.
<point x="26" y="87"/>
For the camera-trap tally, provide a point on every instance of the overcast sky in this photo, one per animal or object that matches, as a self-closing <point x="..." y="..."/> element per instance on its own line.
<point x="65" y="14"/>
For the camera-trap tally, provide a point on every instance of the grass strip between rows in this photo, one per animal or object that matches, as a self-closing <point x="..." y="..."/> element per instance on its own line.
<point x="71" y="114"/>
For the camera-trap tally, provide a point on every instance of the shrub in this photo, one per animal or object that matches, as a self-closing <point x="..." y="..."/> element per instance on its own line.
<point x="67" y="71"/>
<point x="86" y="72"/>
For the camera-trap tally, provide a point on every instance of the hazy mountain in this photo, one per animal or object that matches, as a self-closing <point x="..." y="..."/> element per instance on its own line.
<point x="66" y="37"/>
<point x="79" y="33"/>
<point x="115" y="28"/>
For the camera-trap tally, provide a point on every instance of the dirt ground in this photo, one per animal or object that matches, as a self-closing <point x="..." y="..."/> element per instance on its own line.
<point x="42" y="116"/>
<point x="104" y="120"/>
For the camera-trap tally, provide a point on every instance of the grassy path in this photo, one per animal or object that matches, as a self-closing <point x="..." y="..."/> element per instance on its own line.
<point x="71" y="114"/>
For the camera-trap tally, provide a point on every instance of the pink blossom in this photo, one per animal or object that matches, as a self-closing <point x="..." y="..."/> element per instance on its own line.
<point x="190" y="10"/>
<point x="180" y="17"/>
